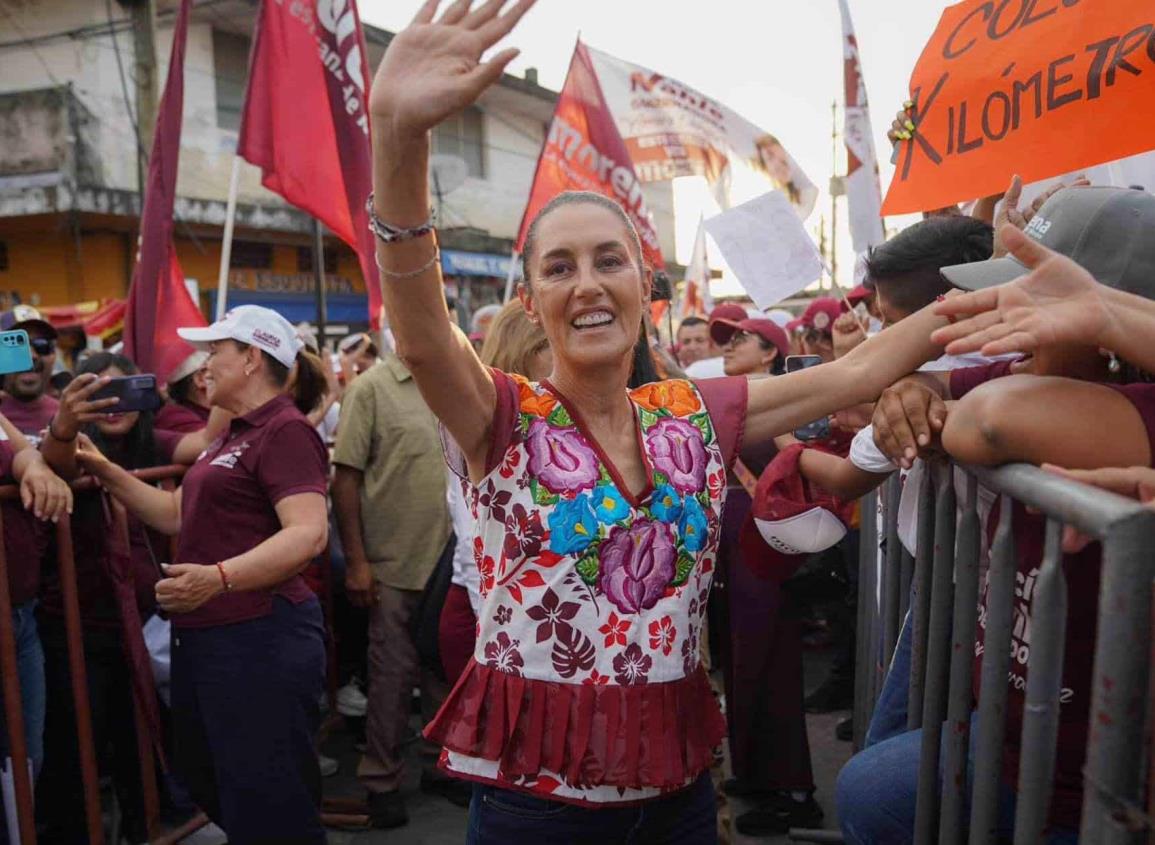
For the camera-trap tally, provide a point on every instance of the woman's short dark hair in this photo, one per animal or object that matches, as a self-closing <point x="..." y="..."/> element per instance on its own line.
<point x="909" y="263"/>
<point x="576" y="198"/>
<point x="138" y="449"/>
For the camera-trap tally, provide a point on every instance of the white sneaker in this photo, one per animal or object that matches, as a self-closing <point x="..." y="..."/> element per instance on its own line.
<point x="351" y="701"/>
<point x="328" y="765"/>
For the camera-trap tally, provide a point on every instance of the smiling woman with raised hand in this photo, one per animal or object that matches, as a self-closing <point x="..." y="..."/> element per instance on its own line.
<point x="584" y="715"/>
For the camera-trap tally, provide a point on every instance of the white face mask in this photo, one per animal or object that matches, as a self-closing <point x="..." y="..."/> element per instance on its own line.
<point x="815" y="530"/>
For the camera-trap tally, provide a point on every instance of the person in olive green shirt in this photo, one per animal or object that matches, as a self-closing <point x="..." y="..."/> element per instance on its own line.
<point x="390" y="504"/>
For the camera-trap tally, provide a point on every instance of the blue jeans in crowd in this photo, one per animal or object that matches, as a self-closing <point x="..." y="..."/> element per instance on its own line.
<point x="504" y="817"/>
<point x="30" y="669"/>
<point x="878" y="788"/>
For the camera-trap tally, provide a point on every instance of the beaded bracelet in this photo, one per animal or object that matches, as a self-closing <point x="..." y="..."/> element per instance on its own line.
<point x="388" y="233"/>
<point x="224" y="577"/>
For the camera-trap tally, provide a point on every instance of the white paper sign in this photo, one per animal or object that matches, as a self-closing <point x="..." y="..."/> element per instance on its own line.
<point x="767" y="247"/>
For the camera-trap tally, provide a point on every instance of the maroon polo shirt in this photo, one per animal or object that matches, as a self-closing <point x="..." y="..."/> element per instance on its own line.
<point x="24" y="540"/>
<point x="181" y="418"/>
<point x="1082" y="571"/>
<point x="229" y="499"/>
<point x="30" y="418"/>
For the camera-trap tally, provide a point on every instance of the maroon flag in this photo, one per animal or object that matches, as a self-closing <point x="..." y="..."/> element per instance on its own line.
<point x="305" y="122"/>
<point x="158" y="301"/>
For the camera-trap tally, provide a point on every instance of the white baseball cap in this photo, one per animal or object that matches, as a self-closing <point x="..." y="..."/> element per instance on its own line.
<point x="813" y="530"/>
<point x="260" y="327"/>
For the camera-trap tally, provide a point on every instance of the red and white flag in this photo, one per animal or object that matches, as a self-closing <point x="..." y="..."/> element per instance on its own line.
<point x="863" y="192"/>
<point x="696" y="299"/>
<point x="306" y="124"/>
<point x="584" y="152"/>
<point x="158" y="301"/>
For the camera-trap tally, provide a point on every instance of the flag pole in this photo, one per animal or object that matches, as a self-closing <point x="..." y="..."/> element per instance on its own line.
<point x="227" y="239"/>
<point x="319" y="283"/>
<point x="510" y="276"/>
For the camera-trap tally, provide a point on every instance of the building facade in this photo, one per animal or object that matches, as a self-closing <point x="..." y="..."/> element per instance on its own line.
<point x="70" y="168"/>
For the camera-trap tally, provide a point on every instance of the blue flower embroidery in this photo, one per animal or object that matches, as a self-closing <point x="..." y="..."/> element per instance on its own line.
<point x="693" y="525"/>
<point x="572" y="526"/>
<point x="666" y="504"/>
<point x="609" y="504"/>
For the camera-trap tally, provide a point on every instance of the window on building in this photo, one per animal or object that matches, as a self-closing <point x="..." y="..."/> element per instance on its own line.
<point x="305" y="260"/>
<point x="231" y="69"/>
<point x="250" y="255"/>
<point x="3" y="255"/>
<point x="461" y="135"/>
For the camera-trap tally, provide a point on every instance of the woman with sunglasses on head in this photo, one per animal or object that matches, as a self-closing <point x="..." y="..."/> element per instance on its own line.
<point x="584" y="714"/>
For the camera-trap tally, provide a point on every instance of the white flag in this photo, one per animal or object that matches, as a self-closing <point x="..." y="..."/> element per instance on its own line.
<point x="696" y="299"/>
<point x="767" y="247"/>
<point x="862" y="188"/>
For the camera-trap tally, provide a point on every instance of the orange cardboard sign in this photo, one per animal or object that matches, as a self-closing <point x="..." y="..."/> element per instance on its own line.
<point x="1034" y="87"/>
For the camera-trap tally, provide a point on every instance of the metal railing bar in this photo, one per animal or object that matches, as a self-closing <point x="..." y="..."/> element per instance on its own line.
<point x="867" y="557"/>
<point x="960" y="695"/>
<point x="996" y="664"/>
<point x="920" y="618"/>
<point x="1089" y="509"/>
<point x="891" y="572"/>
<point x="1122" y="647"/>
<point x="1047" y="645"/>
<point x="937" y="655"/>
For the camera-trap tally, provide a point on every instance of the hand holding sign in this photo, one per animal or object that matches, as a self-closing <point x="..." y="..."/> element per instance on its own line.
<point x="766" y="246"/>
<point x="1011" y="87"/>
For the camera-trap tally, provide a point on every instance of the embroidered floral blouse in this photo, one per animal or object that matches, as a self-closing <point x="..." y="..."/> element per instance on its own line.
<point x="585" y="684"/>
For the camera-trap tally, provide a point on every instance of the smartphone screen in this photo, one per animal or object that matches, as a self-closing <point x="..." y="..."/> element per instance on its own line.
<point x="819" y="429"/>
<point x="136" y="393"/>
<point x="15" y="352"/>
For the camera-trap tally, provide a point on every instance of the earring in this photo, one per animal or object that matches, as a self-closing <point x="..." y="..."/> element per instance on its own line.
<point x="248" y="372"/>
<point x="1113" y="365"/>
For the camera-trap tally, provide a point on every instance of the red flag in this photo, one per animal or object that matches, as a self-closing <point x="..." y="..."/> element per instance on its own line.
<point x="305" y="122"/>
<point x="158" y="301"/>
<point x="585" y="152"/>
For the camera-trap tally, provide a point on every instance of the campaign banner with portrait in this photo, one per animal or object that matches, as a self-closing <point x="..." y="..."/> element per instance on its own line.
<point x="674" y="130"/>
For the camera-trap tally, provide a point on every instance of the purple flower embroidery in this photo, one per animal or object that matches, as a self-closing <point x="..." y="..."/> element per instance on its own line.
<point x="636" y="564"/>
<point x="690" y="654"/>
<point x="560" y="458"/>
<point x="503" y="615"/>
<point x="552" y="613"/>
<point x="676" y="446"/>
<point x="503" y="655"/>
<point x="632" y="666"/>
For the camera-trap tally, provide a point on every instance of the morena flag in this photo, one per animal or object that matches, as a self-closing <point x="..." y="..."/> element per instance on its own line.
<point x="584" y="152"/>
<point x="306" y="122"/>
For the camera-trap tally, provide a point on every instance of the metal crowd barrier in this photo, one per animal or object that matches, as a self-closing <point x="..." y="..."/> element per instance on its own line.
<point x="945" y="576"/>
<point x="22" y="784"/>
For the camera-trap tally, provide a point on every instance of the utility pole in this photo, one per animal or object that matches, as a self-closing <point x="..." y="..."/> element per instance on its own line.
<point x="144" y="69"/>
<point x="834" y="179"/>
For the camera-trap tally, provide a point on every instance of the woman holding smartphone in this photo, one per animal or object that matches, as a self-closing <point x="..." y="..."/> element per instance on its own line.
<point x="248" y="654"/>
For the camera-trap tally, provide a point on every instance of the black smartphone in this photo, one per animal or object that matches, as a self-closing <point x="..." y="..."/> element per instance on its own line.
<point x="136" y="393"/>
<point x="819" y="429"/>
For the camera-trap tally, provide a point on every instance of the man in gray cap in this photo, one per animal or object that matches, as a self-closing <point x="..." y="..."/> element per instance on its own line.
<point x="26" y="403"/>
<point x="1110" y="232"/>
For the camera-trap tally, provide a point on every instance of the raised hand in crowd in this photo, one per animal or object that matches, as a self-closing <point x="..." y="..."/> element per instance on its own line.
<point x="847" y="333"/>
<point x="1009" y="211"/>
<point x="1136" y="482"/>
<point x="78" y="407"/>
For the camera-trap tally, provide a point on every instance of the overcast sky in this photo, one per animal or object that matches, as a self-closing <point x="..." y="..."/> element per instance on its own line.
<point x="777" y="63"/>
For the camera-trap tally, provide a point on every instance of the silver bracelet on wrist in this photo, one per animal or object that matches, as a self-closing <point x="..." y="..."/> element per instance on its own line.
<point x="388" y="233"/>
<point x="410" y="274"/>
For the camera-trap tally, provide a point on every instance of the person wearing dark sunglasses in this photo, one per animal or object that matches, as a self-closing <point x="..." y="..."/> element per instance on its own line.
<point x="26" y="402"/>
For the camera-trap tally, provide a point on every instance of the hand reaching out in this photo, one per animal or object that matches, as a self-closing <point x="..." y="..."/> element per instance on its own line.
<point x="847" y="333"/>
<point x="1057" y="302"/>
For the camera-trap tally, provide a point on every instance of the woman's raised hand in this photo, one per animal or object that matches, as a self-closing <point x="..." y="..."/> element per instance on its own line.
<point x="78" y="407"/>
<point x="433" y="68"/>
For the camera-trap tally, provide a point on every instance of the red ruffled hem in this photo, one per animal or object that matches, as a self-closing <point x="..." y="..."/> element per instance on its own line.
<point x="635" y="737"/>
